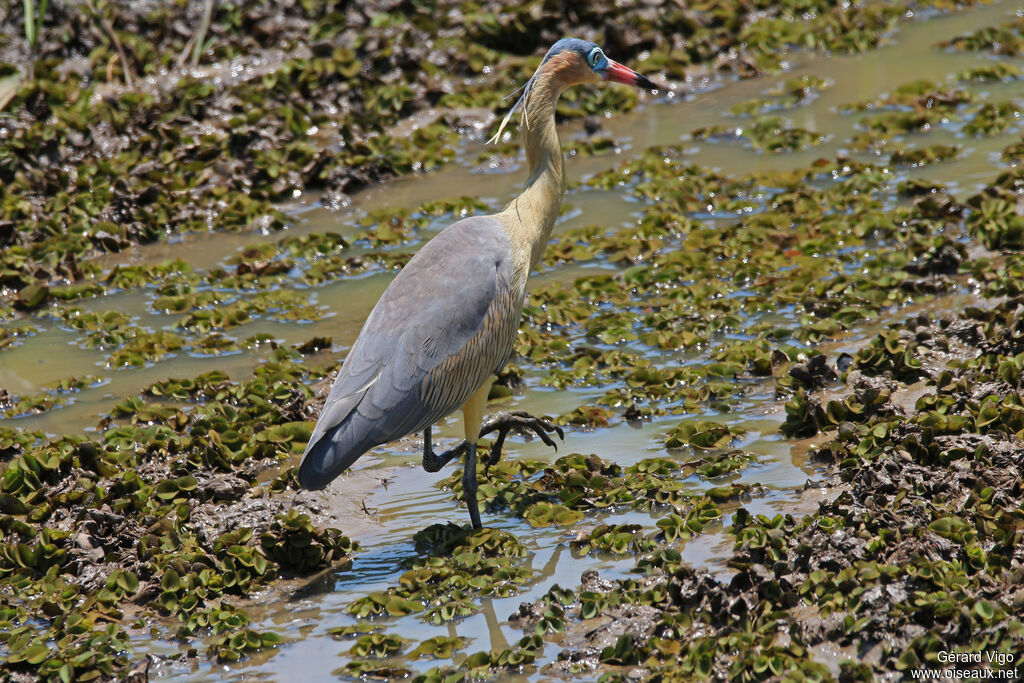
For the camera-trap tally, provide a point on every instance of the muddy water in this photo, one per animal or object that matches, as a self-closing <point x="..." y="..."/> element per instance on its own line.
<point x="305" y="613"/>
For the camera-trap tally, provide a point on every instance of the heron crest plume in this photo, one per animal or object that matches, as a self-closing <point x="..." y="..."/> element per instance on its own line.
<point x="520" y="104"/>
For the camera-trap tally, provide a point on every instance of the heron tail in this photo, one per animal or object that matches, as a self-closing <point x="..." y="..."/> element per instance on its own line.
<point x="335" y="444"/>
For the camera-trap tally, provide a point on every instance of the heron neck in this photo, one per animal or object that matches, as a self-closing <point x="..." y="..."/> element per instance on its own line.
<point x="530" y="217"/>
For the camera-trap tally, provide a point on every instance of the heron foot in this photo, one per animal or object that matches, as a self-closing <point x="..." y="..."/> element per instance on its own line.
<point x="432" y="462"/>
<point x="522" y="422"/>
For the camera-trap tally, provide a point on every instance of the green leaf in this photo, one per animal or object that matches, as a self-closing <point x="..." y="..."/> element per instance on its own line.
<point x="170" y="581"/>
<point x="270" y="639"/>
<point x="985" y="610"/>
<point x="36" y="654"/>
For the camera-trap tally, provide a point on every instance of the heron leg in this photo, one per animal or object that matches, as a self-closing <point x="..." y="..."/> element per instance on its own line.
<point x="469" y="485"/>
<point x="519" y="421"/>
<point x="433" y="462"/>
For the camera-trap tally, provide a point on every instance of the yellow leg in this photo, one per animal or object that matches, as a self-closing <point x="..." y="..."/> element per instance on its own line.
<point x="473" y="411"/>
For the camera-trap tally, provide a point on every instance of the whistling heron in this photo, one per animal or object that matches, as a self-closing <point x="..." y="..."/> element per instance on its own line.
<point x="448" y="321"/>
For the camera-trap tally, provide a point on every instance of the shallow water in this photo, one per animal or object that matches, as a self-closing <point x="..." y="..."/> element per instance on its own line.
<point x="305" y="613"/>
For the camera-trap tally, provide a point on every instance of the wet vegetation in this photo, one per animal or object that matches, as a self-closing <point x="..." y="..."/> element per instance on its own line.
<point x="795" y="91"/>
<point x="769" y="134"/>
<point x="114" y="140"/>
<point x="180" y="512"/>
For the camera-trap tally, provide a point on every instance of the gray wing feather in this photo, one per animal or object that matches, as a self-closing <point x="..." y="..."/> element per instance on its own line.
<point x="394" y="380"/>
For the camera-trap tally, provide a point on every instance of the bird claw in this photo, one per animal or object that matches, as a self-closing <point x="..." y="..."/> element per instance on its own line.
<point x="520" y="421"/>
<point x="433" y="462"/>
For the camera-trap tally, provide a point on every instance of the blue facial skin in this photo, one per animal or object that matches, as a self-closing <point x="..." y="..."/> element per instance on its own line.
<point x="597" y="61"/>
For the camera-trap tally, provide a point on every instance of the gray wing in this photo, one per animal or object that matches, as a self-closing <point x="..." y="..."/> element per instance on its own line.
<point x="445" y="324"/>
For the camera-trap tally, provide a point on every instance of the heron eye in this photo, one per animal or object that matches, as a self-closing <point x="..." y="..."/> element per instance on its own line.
<point x="595" y="57"/>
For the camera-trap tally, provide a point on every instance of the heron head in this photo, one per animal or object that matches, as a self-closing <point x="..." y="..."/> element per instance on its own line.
<point x="574" y="61"/>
